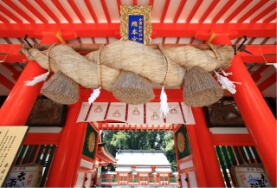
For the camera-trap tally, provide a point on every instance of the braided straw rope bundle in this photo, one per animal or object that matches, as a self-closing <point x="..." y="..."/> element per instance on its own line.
<point x="118" y="65"/>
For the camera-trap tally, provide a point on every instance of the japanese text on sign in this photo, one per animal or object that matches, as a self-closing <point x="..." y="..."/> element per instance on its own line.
<point x="136" y="28"/>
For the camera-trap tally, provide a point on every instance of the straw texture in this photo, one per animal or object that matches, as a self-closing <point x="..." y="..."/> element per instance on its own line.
<point x="200" y="88"/>
<point x="126" y="68"/>
<point x="61" y="89"/>
<point x="133" y="89"/>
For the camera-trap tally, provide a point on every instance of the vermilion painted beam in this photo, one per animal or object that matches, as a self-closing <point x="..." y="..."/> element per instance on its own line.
<point x="62" y="10"/>
<point x="268" y="82"/>
<point x="48" y="10"/>
<point x="270" y="18"/>
<point x="14" y="72"/>
<point x="159" y="30"/>
<point x="10" y="15"/>
<point x="42" y="138"/>
<point x="91" y="11"/>
<point x="3" y="19"/>
<point x="258" y="73"/>
<point x="261" y="54"/>
<point x="223" y="10"/>
<point x="106" y="11"/>
<point x="238" y="10"/>
<point x="232" y="140"/>
<point x="193" y="11"/>
<point x="19" y="11"/>
<point x="164" y="11"/>
<point x="251" y="11"/>
<point x="179" y="10"/>
<point x="265" y="12"/>
<point x="6" y="82"/>
<point x="33" y="10"/>
<point x="77" y="11"/>
<point x="174" y="95"/>
<point x="208" y="11"/>
<point x="135" y="2"/>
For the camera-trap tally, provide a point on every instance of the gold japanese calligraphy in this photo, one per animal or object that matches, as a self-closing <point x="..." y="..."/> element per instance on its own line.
<point x="145" y="11"/>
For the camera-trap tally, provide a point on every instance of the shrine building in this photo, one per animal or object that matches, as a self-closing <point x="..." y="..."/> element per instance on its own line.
<point x="205" y="70"/>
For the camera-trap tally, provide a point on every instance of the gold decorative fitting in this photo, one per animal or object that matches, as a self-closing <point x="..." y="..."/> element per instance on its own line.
<point x="181" y="142"/>
<point x="145" y="11"/>
<point x="91" y="142"/>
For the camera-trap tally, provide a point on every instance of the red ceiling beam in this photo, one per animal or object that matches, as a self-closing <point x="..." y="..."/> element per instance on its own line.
<point x="265" y="12"/>
<point x="14" y="72"/>
<point x="159" y="30"/>
<point x="62" y="10"/>
<point x="179" y="10"/>
<point x="19" y="11"/>
<point x="208" y="11"/>
<point x="3" y="19"/>
<point x="223" y="10"/>
<point x="260" y="54"/>
<point x="10" y="15"/>
<point x="77" y="11"/>
<point x="232" y="139"/>
<point x="251" y="11"/>
<point x="193" y="11"/>
<point x="270" y="18"/>
<point x="258" y="73"/>
<point x="42" y="138"/>
<point x="238" y="10"/>
<point x="48" y="10"/>
<point x="268" y="82"/>
<point x="165" y="9"/>
<point x="106" y="11"/>
<point x="91" y="11"/>
<point x="6" y="82"/>
<point x="33" y="10"/>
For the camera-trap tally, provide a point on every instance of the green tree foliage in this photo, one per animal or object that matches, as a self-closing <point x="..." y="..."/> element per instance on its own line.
<point x="145" y="140"/>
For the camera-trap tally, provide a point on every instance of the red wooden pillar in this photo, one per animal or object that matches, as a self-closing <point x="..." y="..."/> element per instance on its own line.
<point x="19" y="103"/>
<point x="62" y="163"/>
<point x="207" y="152"/>
<point x="256" y="114"/>
<point x="196" y="157"/>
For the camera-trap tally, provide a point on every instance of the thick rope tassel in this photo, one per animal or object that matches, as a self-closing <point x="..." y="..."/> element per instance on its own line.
<point x="225" y="82"/>
<point x="164" y="108"/>
<point x="37" y="79"/>
<point x="94" y="95"/>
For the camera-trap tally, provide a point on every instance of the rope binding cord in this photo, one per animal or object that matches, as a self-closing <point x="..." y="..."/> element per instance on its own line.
<point x="96" y="92"/>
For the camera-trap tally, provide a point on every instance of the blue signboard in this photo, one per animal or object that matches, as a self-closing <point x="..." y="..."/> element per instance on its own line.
<point x="136" y="28"/>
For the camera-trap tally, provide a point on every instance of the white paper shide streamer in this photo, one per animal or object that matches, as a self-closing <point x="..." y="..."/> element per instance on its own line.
<point x="164" y="108"/>
<point x="225" y="82"/>
<point x="37" y="79"/>
<point x="94" y="95"/>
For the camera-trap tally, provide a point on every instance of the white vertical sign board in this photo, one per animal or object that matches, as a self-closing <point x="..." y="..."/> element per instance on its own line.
<point x="135" y="114"/>
<point x="83" y="112"/>
<point x="98" y="111"/>
<point x="117" y="111"/>
<point x="11" y="138"/>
